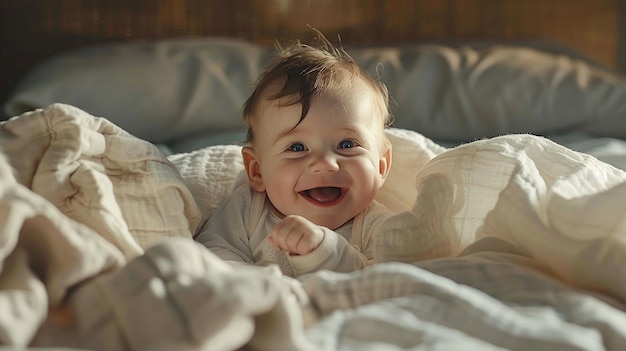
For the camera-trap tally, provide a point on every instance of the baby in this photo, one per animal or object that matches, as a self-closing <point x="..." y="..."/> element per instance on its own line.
<point x="316" y="157"/>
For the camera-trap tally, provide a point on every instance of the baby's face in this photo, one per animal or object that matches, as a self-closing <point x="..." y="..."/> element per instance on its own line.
<point x="331" y="166"/>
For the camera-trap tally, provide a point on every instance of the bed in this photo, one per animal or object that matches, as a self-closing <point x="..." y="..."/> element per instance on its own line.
<point x="508" y="179"/>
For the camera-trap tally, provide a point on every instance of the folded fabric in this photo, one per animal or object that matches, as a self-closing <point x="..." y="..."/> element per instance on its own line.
<point x="565" y="208"/>
<point x="97" y="174"/>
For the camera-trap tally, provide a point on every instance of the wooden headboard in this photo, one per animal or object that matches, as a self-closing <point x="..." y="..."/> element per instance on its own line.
<point x="32" y="30"/>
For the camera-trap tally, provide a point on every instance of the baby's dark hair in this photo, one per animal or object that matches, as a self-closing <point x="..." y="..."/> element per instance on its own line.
<point x="305" y="71"/>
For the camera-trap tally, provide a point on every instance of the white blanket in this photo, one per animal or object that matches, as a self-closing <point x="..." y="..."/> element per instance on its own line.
<point x="566" y="209"/>
<point x="82" y="203"/>
<point x="505" y="238"/>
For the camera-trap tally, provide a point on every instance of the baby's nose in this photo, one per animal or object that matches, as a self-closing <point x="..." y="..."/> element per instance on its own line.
<point x="324" y="163"/>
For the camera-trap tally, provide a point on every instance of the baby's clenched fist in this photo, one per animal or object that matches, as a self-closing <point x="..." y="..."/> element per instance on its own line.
<point x="296" y="235"/>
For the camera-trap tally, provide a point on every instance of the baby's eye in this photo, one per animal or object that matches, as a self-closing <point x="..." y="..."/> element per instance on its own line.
<point x="297" y="147"/>
<point x="346" y="144"/>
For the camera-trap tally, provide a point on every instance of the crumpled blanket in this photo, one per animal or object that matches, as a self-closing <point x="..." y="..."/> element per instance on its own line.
<point x="482" y="300"/>
<point x="99" y="175"/>
<point x="566" y="209"/>
<point x="96" y="249"/>
<point x="513" y="242"/>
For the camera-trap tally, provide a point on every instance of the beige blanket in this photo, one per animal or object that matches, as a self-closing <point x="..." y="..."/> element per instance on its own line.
<point x="80" y="201"/>
<point x="512" y="243"/>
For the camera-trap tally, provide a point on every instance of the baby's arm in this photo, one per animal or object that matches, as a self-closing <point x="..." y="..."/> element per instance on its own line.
<point x="310" y="247"/>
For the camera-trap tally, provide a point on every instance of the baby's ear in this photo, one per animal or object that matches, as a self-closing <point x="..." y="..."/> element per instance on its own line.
<point x="253" y="169"/>
<point x="384" y="163"/>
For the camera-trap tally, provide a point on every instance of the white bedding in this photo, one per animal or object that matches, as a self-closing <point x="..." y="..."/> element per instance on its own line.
<point x="512" y="243"/>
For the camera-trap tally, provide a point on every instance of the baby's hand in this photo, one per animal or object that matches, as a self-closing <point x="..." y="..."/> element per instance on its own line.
<point x="296" y="235"/>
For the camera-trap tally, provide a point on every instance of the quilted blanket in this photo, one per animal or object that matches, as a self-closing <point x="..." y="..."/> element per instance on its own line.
<point x="506" y="243"/>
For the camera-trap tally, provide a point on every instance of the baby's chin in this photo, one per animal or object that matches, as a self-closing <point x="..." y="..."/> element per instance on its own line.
<point x="331" y="222"/>
<point x="331" y="218"/>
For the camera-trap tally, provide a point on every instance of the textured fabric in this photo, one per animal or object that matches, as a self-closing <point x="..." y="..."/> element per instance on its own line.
<point x="564" y="207"/>
<point x="179" y="296"/>
<point x="211" y="174"/>
<point x="530" y="239"/>
<point x="482" y="300"/>
<point x="98" y="174"/>
<point x="73" y="270"/>
<point x="43" y="254"/>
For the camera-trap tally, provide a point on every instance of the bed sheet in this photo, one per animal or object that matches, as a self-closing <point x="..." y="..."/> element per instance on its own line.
<point x="529" y="253"/>
<point x="481" y="300"/>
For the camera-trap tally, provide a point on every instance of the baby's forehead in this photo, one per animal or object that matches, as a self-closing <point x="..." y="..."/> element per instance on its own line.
<point x="347" y="111"/>
<point x="356" y="95"/>
<point x="344" y="90"/>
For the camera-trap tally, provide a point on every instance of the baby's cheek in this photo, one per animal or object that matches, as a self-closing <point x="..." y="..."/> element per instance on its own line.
<point x="281" y="195"/>
<point x="373" y="179"/>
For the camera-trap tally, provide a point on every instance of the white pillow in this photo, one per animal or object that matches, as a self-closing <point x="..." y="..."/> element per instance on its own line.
<point x="169" y="91"/>
<point x="464" y="94"/>
<point x="157" y="91"/>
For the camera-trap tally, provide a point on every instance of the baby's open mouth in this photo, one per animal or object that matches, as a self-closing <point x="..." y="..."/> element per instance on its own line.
<point x="323" y="194"/>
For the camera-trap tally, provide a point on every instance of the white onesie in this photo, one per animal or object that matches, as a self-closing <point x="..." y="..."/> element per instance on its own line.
<point x="238" y="230"/>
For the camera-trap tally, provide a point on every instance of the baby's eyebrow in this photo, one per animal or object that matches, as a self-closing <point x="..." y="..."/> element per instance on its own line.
<point x="283" y="133"/>
<point x="350" y="129"/>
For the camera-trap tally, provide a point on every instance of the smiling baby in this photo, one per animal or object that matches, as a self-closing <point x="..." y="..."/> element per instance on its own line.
<point x="315" y="159"/>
